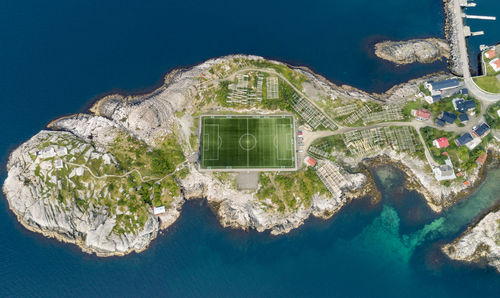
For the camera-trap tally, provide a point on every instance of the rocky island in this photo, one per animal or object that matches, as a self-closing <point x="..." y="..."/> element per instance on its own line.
<point x="479" y="244"/>
<point x="411" y="51"/>
<point x="111" y="179"/>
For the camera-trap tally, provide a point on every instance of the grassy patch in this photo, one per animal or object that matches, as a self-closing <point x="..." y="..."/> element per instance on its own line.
<point x="430" y="134"/>
<point x="413" y="105"/>
<point x="128" y="196"/>
<point x="460" y="156"/>
<point x="424" y="90"/>
<point x="335" y="142"/>
<point x="289" y="191"/>
<point x="488" y="83"/>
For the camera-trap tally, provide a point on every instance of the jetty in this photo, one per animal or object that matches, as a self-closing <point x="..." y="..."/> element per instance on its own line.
<point x="464" y="3"/>
<point x="471" y="16"/>
<point x="459" y="44"/>
<point x="468" y="33"/>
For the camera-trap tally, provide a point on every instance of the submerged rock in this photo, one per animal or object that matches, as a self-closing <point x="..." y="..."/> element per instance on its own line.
<point x="411" y="51"/>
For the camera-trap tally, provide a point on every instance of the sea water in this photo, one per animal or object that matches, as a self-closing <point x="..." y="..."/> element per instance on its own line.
<point x="56" y="56"/>
<point x="491" y="29"/>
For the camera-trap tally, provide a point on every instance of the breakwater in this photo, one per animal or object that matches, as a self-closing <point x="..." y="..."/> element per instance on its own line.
<point x="453" y="33"/>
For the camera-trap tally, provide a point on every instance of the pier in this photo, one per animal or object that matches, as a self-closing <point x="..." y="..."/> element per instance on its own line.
<point x="460" y="48"/>
<point x="468" y="33"/>
<point x="469" y="16"/>
<point x="464" y="3"/>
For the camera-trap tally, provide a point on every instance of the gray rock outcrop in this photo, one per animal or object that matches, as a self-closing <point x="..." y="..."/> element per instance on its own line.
<point x="479" y="243"/>
<point x="411" y="51"/>
<point x="59" y="160"/>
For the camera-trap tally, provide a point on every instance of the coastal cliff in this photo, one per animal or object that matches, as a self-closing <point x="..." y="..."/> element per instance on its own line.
<point x="479" y="244"/>
<point x="94" y="179"/>
<point x="411" y="51"/>
<point x="91" y="179"/>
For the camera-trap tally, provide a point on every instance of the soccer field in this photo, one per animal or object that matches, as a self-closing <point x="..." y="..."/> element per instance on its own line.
<point x="246" y="142"/>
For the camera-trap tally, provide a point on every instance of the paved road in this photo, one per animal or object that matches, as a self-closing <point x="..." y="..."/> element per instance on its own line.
<point x="464" y="59"/>
<point x="485" y="98"/>
<point x="478" y="93"/>
<point x="311" y="136"/>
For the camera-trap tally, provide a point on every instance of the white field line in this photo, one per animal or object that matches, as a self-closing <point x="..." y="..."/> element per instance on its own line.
<point x="288" y="136"/>
<point x="223" y="168"/>
<point x="216" y="139"/>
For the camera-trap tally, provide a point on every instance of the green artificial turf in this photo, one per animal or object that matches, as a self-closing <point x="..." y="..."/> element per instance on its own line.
<point x="244" y="142"/>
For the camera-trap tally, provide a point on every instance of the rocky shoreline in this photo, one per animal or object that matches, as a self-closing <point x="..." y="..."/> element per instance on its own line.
<point x="427" y="50"/>
<point x="411" y="51"/>
<point x="479" y="243"/>
<point x="454" y="62"/>
<point x="149" y="118"/>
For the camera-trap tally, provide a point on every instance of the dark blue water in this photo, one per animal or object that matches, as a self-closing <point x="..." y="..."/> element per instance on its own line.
<point x="56" y="56"/>
<point x="490" y="28"/>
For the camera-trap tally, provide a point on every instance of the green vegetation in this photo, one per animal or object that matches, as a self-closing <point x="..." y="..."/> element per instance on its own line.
<point x="223" y="93"/>
<point x="424" y="90"/>
<point x="247" y="142"/>
<point x="444" y="104"/>
<point x="414" y="105"/>
<point x="489" y="70"/>
<point x="289" y="191"/>
<point x="460" y="156"/>
<point x="143" y="177"/>
<point x="283" y="103"/>
<point x="335" y="142"/>
<point x="491" y="116"/>
<point x="488" y="83"/>
<point x="430" y="134"/>
<point x="132" y="153"/>
<point x="296" y="78"/>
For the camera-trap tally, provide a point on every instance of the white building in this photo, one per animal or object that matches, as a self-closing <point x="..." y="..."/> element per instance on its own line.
<point x="159" y="210"/>
<point x="58" y="164"/>
<point x="444" y="172"/>
<point x="47" y="152"/>
<point x="62" y="151"/>
<point x="79" y="171"/>
<point x="474" y="143"/>
<point x="439" y="87"/>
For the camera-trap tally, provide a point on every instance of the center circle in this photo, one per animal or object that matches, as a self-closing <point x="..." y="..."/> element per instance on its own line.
<point x="248" y="141"/>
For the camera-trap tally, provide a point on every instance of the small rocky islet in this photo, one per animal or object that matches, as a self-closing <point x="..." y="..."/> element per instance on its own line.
<point x="411" y="51"/>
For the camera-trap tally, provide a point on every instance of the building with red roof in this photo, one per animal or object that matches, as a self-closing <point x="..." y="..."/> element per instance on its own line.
<point x="482" y="159"/>
<point x="310" y="161"/>
<point x="441" y="142"/>
<point x="495" y="64"/>
<point x="422" y="114"/>
<point x="490" y="54"/>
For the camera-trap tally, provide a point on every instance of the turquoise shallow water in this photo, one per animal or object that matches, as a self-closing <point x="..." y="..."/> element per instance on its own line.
<point x="56" y="56"/>
<point x="366" y="250"/>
